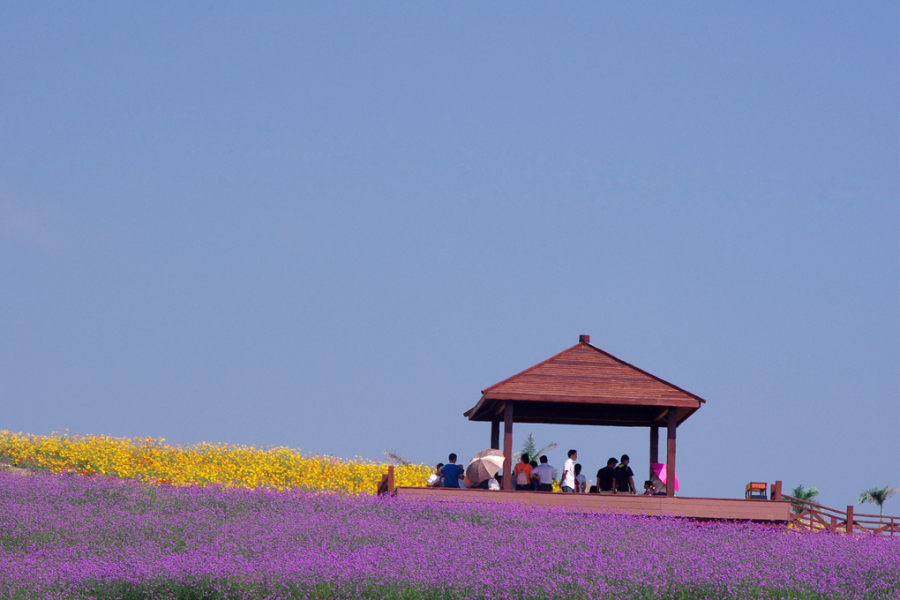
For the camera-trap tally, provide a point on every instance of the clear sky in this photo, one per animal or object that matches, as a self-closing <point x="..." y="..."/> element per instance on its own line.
<point x="330" y="227"/>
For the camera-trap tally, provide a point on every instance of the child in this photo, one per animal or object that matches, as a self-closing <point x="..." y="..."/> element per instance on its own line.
<point x="648" y="488"/>
<point x="580" y="480"/>
<point x="436" y="480"/>
<point x="658" y="487"/>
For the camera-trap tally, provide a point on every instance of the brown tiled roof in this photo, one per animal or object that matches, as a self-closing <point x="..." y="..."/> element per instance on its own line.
<point x="578" y="378"/>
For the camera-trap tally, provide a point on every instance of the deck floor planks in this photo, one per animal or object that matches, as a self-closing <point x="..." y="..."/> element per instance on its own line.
<point x="694" y="508"/>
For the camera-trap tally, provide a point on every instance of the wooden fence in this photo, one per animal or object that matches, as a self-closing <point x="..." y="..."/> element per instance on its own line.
<point x="809" y="516"/>
<point x="386" y="485"/>
<point x="816" y="517"/>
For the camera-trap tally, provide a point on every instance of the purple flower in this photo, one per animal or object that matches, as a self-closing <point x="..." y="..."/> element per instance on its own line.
<point x="68" y="536"/>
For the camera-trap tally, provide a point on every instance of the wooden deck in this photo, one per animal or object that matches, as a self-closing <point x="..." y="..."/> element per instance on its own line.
<point x="704" y="509"/>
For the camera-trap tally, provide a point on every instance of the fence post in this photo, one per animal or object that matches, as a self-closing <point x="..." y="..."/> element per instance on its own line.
<point x="390" y="481"/>
<point x="849" y="528"/>
<point x="776" y="491"/>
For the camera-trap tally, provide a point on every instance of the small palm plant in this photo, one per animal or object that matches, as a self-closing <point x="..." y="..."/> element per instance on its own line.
<point x="877" y="496"/>
<point x="394" y="458"/>
<point x="802" y="493"/>
<point x="530" y="448"/>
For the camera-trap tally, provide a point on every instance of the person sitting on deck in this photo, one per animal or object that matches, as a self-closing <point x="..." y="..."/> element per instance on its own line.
<point x="535" y="484"/>
<point x="648" y="488"/>
<point x="522" y="474"/>
<point x="481" y="485"/>
<point x="580" y="480"/>
<point x="436" y="477"/>
<point x="544" y="473"/>
<point x="658" y="487"/>
<point x="567" y="482"/>
<point x="606" y="477"/>
<point x="452" y="472"/>
<point x="624" y="477"/>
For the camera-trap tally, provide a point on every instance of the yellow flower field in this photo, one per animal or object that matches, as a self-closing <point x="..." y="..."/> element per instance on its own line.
<point x="152" y="460"/>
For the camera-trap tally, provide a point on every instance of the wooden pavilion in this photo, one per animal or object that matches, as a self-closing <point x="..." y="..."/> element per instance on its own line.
<point x="585" y="385"/>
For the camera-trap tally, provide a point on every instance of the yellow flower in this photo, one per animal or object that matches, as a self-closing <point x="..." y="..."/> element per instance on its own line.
<point x="227" y="465"/>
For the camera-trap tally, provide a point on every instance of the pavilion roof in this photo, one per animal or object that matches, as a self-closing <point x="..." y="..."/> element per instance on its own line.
<point x="589" y="386"/>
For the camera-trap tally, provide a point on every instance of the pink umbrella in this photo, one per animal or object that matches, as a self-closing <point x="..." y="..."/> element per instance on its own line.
<point x="660" y="470"/>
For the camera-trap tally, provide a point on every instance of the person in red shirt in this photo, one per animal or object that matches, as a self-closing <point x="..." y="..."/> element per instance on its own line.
<point x="522" y="474"/>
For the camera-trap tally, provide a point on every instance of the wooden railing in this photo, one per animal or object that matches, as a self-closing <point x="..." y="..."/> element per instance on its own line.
<point x="815" y="517"/>
<point x="386" y="485"/>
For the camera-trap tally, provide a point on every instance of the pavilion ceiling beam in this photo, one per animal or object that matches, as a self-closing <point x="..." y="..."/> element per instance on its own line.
<point x="663" y="413"/>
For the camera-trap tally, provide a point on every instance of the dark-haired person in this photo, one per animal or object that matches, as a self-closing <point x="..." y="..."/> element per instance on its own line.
<point x="567" y="481"/>
<point x="535" y="484"/>
<point x="435" y="479"/>
<point x="624" y="477"/>
<point x="580" y="480"/>
<point x="452" y="472"/>
<point x="544" y="473"/>
<point x="606" y="477"/>
<point x="522" y="474"/>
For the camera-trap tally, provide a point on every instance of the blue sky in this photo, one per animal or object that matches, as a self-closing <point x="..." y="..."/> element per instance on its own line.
<point x="330" y="227"/>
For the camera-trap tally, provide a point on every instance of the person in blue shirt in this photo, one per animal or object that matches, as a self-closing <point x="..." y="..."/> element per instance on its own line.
<point x="452" y="472"/>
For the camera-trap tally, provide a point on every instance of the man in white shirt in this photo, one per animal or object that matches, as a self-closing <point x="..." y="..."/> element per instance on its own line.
<point x="567" y="483"/>
<point x="544" y="473"/>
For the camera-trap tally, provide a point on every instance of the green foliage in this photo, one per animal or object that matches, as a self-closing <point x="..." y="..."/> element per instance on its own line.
<point x="395" y="459"/>
<point x="877" y="496"/>
<point x="530" y="448"/>
<point x="803" y="493"/>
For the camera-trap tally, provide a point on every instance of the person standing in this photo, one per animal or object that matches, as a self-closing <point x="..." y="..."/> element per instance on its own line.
<point x="567" y="481"/>
<point x="580" y="480"/>
<point x="452" y="472"/>
<point x="606" y="477"/>
<point x="544" y="473"/>
<point x="624" y="477"/>
<point x="522" y="474"/>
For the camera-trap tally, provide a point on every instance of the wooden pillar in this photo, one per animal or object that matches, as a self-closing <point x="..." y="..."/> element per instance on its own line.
<point x="507" y="445"/>
<point x="495" y="434"/>
<point x="670" y="453"/>
<point x="654" y="447"/>
<point x="849" y="528"/>
<point x="390" y="481"/>
<point x="776" y="491"/>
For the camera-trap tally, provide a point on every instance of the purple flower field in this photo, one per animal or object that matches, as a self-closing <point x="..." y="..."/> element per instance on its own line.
<point x="75" y="537"/>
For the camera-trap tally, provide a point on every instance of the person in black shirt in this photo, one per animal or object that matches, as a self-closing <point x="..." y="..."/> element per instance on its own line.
<point x="606" y="476"/>
<point x="624" y="477"/>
